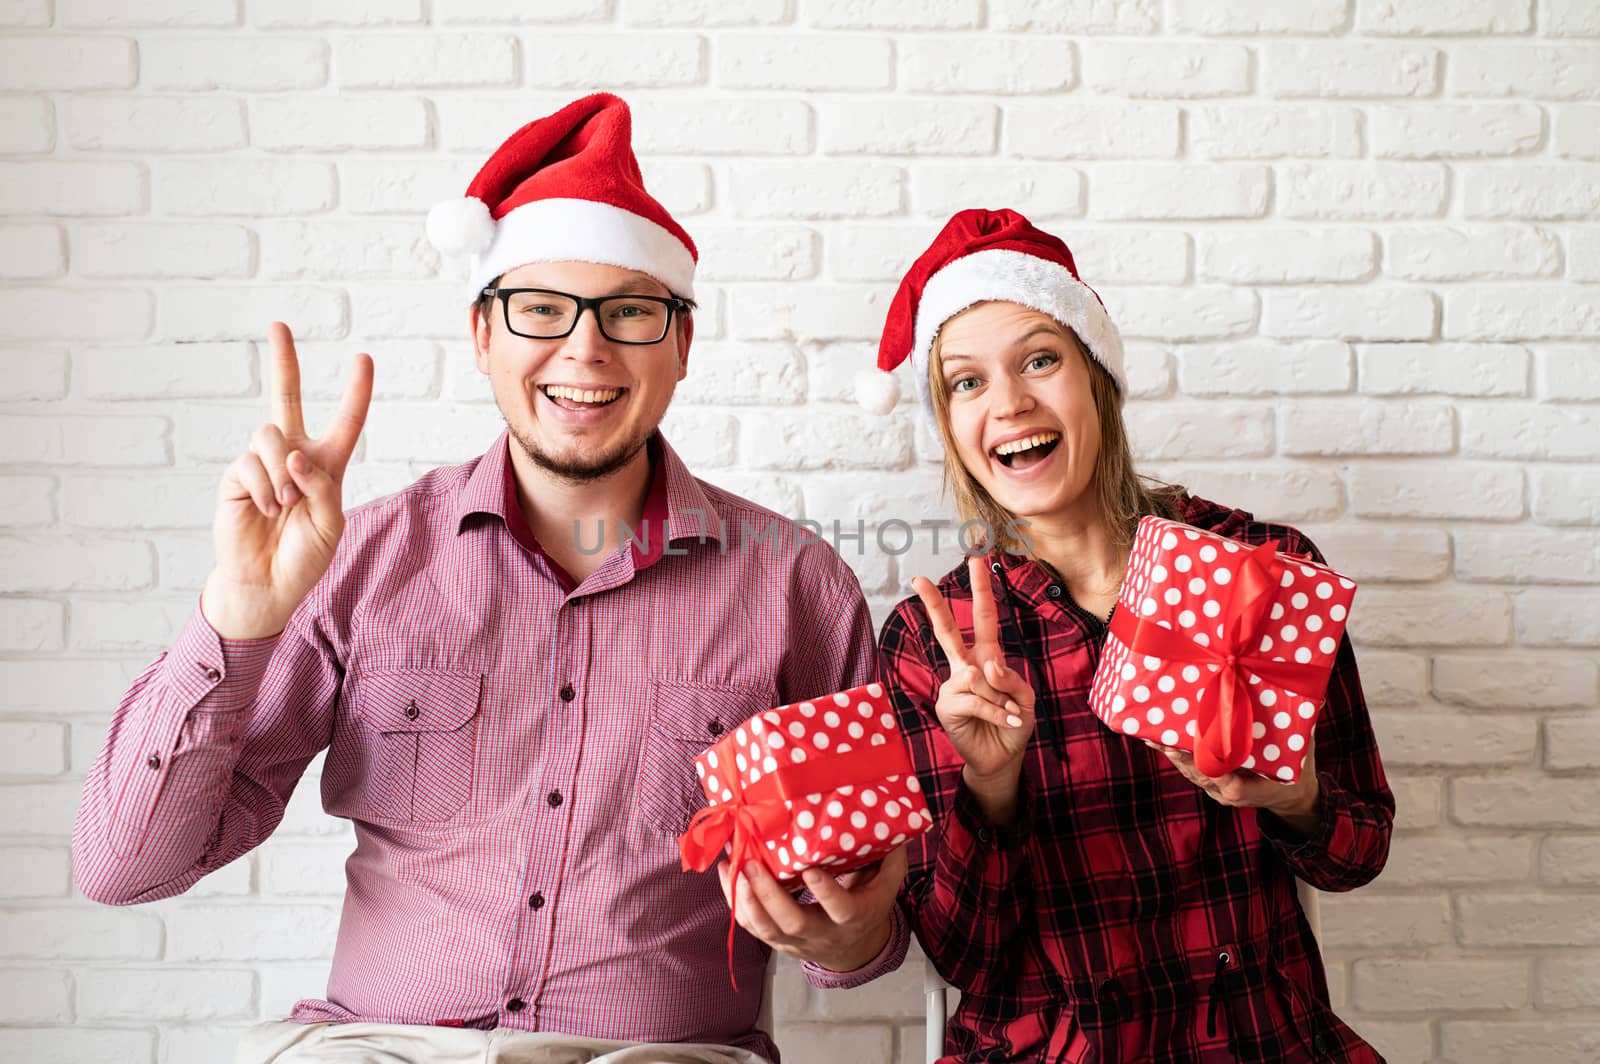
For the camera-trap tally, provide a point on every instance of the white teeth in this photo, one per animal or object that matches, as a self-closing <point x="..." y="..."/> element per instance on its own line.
<point x="582" y="395"/>
<point x="1027" y="442"/>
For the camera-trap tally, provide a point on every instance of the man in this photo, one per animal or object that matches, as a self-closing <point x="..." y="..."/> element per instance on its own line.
<point x="510" y="714"/>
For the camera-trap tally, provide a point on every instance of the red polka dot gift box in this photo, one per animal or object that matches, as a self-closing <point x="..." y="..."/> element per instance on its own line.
<point x="1220" y="649"/>
<point x="826" y="783"/>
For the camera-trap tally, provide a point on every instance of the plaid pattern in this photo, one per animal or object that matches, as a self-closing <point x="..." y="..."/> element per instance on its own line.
<point x="1126" y="916"/>
<point x="517" y="760"/>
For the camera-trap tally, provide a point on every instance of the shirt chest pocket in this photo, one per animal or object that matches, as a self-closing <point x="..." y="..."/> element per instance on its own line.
<point x="685" y="719"/>
<point x="419" y="742"/>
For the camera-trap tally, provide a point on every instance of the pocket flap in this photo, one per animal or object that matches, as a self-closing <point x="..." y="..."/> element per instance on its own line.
<point x="701" y="713"/>
<point x="417" y="700"/>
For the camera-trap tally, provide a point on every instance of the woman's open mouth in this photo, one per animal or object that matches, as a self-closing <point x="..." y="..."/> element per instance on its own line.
<point x="1028" y="451"/>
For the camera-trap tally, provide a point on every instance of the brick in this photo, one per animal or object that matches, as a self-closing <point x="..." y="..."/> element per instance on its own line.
<point x="1196" y="191"/>
<point x="1458" y="861"/>
<point x="412" y="432"/>
<point x="154" y="124"/>
<point x="34" y="13"/>
<point x="757" y="252"/>
<point x="30" y="624"/>
<point x="55" y="1045"/>
<point x="1398" y="1040"/>
<point x="93" y="440"/>
<point x="27" y="502"/>
<point x="830" y="62"/>
<point x="27" y="126"/>
<point x="896" y="996"/>
<point x="404" y="369"/>
<point x="1366" y="426"/>
<point x="1389" y="678"/>
<point x="59" y="685"/>
<point x="1555" y="191"/>
<point x="431" y="61"/>
<point x="1443" y="369"/>
<point x="82" y="189"/>
<point x="1527" y="556"/>
<point x="1572" y="744"/>
<point x="1566" y="497"/>
<point x="843" y="440"/>
<point x="1435" y="740"/>
<point x="337" y="124"/>
<point x="1523" y="921"/>
<point x="1189" y="431"/>
<point x="1505" y="430"/>
<point x="165" y="501"/>
<point x="829" y="1043"/>
<point x="1134" y="255"/>
<point x="202" y="1044"/>
<point x="1366" y="554"/>
<point x="168" y="993"/>
<point x="1567" y="981"/>
<point x="32" y="749"/>
<point x="144" y="623"/>
<point x="252" y="63"/>
<point x="1435" y="130"/>
<point x="137" y="250"/>
<point x="37" y="371"/>
<point x="894" y="14"/>
<point x="694" y="13"/>
<point x="34" y="995"/>
<point x="1519" y="313"/>
<point x="1569" y="18"/>
<point x="1092" y="129"/>
<point x="394" y="186"/>
<point x="79" y="932"/>
<point x="1405" y="618"/>
<point x="908" y="127"/>
<point x="743" y="374"/>
<point x="1525" y="802"/>
<point x="1076" y="16"/>
<point x="239" y="312"/>
<point x="1536" y="71"/>
<point x="1356" y="191"/>
<point x="1566" y="860"/>
<point x="1274" y="492"/>
<point x="244" y="186"/>
<point x="705" y="439"/>
<point x="1514" y="681"/>
<point x="1417" y="803"/>
<point x="1180" y="314"/>
<point x="1274" y="130"/>
<point x="1569" y="372"/>
<point x="1354" y="70"/>
<point x="101" y="313"/>
<point x="743" y="127"/>
<point x="681" y="186"/>
<point x="1351" y="313"/>
<point x="31" y="251"/>
<point x="1259" y="16"/>
<point x="988" y="65"/>
<point x="1556" y="618"/>
<point x="411" y="309"/>
<point x="1148" y="368"/>
<point x="816" y="190"/>
<point x="1257" y="367"/>
<point x="165" y="371"/>
<point x="1167" y="69"/>
<point x="166" y="14"/>
<point x="1464" y="253"/>
<point x="1370" y="920"/>
<point x="212" y="933"/>
<point x="877" y="498"/>
<point x="1575" y="132"/>
<point x="1441" y="985"/>
<point x="635" y="60"/>
<point x="1474" y="491"/>
<point x="1411" y="18"/>
<point x="65" y="63"/>
<point x="1258" y="255"/>
<point x="307" y="13"/>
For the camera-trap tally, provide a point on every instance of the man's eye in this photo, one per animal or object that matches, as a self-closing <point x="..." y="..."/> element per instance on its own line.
<point x="631" y="310"/>
<point x="540" y="309"/>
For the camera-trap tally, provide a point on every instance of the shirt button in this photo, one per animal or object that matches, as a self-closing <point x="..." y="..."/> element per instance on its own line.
<point x="1055" y="590"/>
<point x="516" y="1005"/>
<point x="537" y="901"/>
<point x="995" y="568"/>
<point x="567" y="693"/>
<point x="210" y="673"/>
<point x="554" y="798"/>
<point x="153" y="761"/>
<point x="412" y="711"/>
<point x="714" y="727"/>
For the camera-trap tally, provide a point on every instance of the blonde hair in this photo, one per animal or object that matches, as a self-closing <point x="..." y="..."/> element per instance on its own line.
<point x="1123" y="494"/>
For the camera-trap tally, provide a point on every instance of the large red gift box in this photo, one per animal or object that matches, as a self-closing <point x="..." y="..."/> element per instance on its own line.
<point x="825" y="783"/>
<point x="1220" y="649"/>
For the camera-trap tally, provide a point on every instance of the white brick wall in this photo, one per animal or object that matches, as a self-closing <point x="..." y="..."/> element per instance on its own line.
<point x="1355" y="245"/>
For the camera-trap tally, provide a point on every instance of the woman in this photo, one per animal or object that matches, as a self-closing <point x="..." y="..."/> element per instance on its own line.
<point x="1094" y="898"/>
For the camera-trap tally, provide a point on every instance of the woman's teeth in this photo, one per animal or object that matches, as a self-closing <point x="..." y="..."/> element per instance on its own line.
<point x="1005" y="450"/>
<point x="597" y="396"/>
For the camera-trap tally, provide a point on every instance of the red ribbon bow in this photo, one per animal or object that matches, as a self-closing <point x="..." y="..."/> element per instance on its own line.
<point x="1223" y="739"/>
<point x="757" y="810"/>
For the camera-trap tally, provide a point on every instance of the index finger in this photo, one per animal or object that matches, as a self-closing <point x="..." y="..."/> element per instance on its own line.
<point x="985" y="620"/>
<point x="286" y="412"/>
<point x="345" y="428"/>
<point x="944" y="622"/>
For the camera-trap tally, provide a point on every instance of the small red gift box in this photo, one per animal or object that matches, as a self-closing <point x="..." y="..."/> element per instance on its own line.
<point x="825" y="783"/>
<point x="1220" y="649"/>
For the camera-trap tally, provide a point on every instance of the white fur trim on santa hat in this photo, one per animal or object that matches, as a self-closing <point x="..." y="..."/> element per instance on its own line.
<point x="1013" y="277"/>
<point x="579" y="230"/>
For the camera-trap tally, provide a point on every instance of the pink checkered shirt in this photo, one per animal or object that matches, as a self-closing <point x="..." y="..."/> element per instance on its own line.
<point x="517" y="759"/>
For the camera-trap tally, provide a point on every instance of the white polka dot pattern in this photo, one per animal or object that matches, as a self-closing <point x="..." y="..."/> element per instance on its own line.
<point x="1142" y="696"/>
<point x="840" y="829"/>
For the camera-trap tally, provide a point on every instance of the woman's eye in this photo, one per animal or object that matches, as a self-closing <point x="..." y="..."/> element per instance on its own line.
<point x="1042" y="361"/>
<point x="962" y="384"/>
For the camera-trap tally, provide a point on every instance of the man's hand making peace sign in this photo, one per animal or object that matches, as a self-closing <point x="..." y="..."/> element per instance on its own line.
<point x="280" y="509"/>
<point x="986" y="707"/>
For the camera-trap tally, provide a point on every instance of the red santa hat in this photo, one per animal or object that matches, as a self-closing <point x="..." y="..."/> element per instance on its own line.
<point x="566" y="188"/>
<point x="982" y="256"/>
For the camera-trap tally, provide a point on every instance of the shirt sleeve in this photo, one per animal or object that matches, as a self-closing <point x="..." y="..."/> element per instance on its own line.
<point x="200" y="758"/>
<point x="830" y="645"/>
<point x="1356" y="809"/>
<point x="969" y="887"/>
<point x="889" y="958"/>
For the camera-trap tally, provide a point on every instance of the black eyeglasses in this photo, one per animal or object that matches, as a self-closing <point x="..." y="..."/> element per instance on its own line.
<point x="543" y="314"/>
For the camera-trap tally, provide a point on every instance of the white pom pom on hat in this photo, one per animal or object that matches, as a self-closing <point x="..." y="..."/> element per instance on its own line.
<point x="461" y="227"/>
<point x="877" y="392"/>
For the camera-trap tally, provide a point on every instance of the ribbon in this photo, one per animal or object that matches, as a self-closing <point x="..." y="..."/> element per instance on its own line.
<point x="757" y="810"/>
<point x="1223" y="739"/>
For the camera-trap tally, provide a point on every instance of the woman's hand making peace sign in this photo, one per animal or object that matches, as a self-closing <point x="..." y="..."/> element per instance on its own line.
<point x="280" y="509"/>
<point x="986" y="707"/>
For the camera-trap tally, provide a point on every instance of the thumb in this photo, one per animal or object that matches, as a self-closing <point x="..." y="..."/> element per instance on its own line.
<point x="1004" y="678"/>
